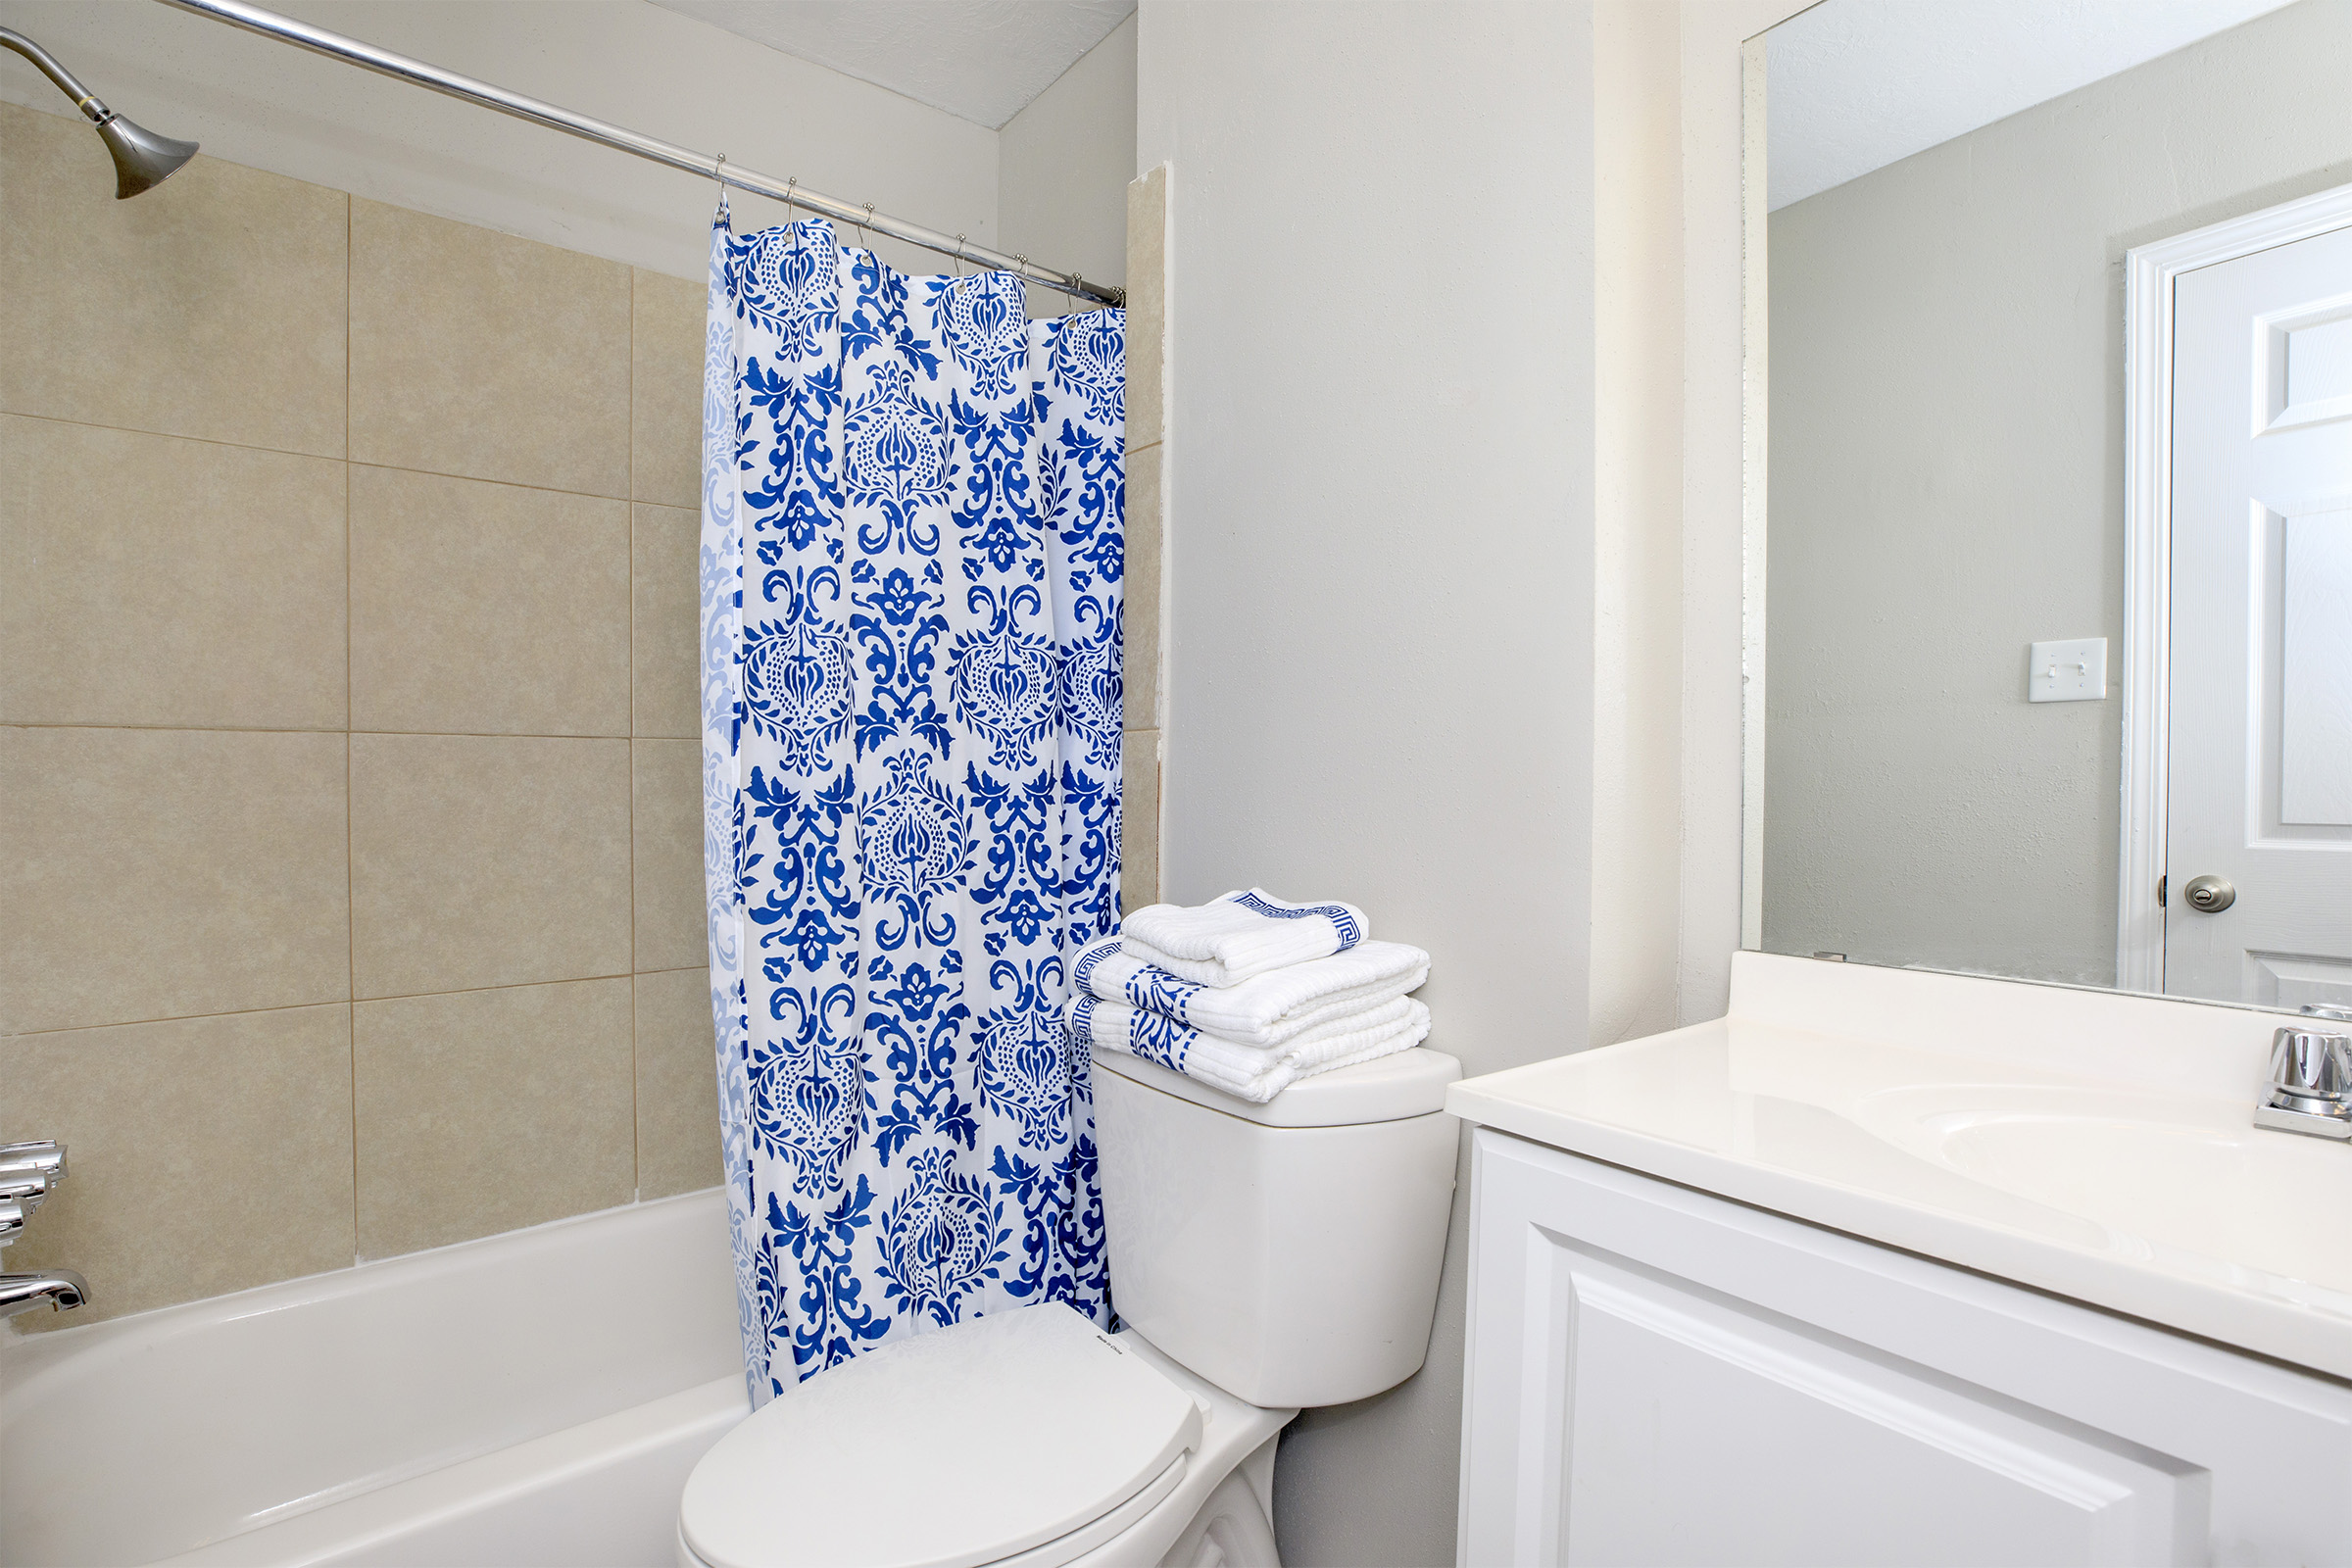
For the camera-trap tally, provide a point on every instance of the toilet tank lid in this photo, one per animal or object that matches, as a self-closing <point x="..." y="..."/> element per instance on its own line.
<point x="1410" y="1083"/>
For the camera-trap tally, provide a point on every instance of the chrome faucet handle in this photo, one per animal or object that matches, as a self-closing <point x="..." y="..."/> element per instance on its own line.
<point x="42" y="1158"/>
<point x="28" y="1171"/>
<point x="2311" y="1084"/>
<point x="2328" y="1010"/>
<point x="13" y="1213"/>
<point x="28" y="1192"/>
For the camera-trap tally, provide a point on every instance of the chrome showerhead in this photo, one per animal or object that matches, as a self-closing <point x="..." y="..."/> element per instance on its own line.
<point x="142" y="159"/>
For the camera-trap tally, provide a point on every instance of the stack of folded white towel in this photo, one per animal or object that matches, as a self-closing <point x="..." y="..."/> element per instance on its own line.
<point x="1248" y="993"/>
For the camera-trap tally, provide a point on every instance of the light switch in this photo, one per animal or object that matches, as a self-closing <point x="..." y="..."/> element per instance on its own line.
<point x="2068" y="672"/>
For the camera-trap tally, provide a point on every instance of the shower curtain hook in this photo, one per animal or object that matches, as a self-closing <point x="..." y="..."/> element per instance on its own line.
<point x="718" y="172"/>
<point x="864" y="241"/>
<point x="959" y="256"/>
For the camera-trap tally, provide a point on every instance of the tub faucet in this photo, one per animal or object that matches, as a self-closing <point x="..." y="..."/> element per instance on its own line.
<point x="29" y="1172"/>
<point x="60" y="1289"/>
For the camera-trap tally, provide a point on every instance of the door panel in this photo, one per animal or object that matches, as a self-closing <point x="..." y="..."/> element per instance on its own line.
<point x="2315" y="741"/>
<point x="2260" y="770"/>
<point x="1679" y="1389"/>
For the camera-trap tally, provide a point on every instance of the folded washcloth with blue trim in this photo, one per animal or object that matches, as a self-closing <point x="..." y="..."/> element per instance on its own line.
<point x="1231" y="937"/>
<point x="1265" y="1010"/>
<point x="1252" y="1072"/>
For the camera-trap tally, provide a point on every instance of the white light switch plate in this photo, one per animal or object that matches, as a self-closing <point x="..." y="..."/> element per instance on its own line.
<point x="2068" y="672"/>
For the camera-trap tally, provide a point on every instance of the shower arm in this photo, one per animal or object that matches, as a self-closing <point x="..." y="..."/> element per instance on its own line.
<point x="400" y="67"/>
<point x="83" y="99"/>
<point x="142" y="159"/>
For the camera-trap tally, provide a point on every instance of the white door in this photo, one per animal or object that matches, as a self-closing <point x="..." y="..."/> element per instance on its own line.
<point x="2261" y="700"/>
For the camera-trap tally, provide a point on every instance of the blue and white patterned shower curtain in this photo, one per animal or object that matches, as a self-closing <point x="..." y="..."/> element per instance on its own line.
<point x="913" y="527"/>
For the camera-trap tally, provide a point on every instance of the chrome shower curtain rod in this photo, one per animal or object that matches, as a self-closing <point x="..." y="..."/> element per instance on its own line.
<point x="335" y="46"/>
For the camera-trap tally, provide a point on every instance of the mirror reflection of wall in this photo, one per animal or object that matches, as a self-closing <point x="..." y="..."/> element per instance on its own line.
<point x="1947" y="474"/>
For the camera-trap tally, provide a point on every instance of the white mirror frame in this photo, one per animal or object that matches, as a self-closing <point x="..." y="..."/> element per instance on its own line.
<point x="1755" y="328"/>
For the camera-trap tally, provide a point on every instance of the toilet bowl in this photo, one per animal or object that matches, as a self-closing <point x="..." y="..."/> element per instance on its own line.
<point x="1263" y="1260"/>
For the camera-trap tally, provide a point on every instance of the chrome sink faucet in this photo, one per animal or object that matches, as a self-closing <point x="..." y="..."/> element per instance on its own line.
<point x="2311" y="1079"/>
<point x="29" y="1172"/>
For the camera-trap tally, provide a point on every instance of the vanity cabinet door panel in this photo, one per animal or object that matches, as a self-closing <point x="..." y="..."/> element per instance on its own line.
<point x="1656" y="1376"/>
<point x="1761" y="1443"/>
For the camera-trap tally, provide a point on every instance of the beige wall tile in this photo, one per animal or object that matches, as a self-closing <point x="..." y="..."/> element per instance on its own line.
<point x="488" y="1110"/>
<point x="204" y="1155"/>
<point x="677" y="1085"/>
<point x="160" y="873"/>
<point x="487" y="609"/>
<point x="1141" y="591"/>
<point x="1138" y="819"/>
<point x="671" y="933"/>
<point x="487" y="862"/>
<point x="665" y="389"/>
<point x="159" y="581"/>
<point x="478" y="353"/>
<point x="1146" y="303"/>
<point x="666" y="645"/>
<point x="212" y="306"/>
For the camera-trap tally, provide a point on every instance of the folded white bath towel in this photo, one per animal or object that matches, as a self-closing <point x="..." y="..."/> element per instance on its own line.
<point x="1265" y="1010"/>
<point x="1225" y="942"/>
<point x="1250" y="1072"/>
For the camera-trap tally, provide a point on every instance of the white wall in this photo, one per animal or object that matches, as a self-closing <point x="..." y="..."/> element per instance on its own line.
<point x="1063" y="168"/>
<point x="1948" y="487"/>
<point x="262" y="103"/>
<point x="1381" y="450"/>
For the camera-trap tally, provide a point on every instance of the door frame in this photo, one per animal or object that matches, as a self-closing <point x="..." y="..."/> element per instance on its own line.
<point x="2150" y="272"/>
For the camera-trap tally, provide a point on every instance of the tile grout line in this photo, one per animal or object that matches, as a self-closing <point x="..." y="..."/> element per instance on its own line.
<point x="636" y="1116"/>
<point x="316" y="457"/>
<point x="350" y="900"/>
<point x="264" y="729"/>
<point x="354" y="1004"/>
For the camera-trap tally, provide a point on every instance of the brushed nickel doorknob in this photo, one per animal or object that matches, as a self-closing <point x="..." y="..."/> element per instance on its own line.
<point x="2209" y="895"/>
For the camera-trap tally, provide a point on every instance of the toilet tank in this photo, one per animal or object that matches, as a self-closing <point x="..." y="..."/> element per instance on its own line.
<point x="1288" y="1252"/>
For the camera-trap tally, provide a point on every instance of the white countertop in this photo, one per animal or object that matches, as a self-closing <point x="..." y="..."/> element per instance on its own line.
<point x="2095" y="1145"/>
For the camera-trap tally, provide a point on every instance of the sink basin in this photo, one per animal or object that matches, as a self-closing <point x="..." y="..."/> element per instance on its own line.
<point x="2264" y="1209"/>
<point x="2097" y="1146"/>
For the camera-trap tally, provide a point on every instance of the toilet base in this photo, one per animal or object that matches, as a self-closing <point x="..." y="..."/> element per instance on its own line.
<point x="1232" y="1529"/>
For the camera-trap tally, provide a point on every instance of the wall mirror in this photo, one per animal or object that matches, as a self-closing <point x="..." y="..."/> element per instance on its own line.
<point x="2049" y="319"/>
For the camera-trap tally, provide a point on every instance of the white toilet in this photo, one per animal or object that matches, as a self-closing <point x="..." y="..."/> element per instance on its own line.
<point x="1263" y="1258"/>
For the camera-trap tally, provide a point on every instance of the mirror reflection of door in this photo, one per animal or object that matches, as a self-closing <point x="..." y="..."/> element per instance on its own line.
<point x="2048" y="633"/>
<point x="2258" y="860"/>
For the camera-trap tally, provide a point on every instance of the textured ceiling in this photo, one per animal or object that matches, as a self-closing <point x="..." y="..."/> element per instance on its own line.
<point x="983" y="60"/>
<point x="1856" y="84"/>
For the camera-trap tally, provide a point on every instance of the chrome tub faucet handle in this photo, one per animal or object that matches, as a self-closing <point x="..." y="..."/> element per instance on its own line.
<point x="28" y="1173"/>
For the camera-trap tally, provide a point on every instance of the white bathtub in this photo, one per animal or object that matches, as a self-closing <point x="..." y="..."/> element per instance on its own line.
<point x="534" y="1397"/>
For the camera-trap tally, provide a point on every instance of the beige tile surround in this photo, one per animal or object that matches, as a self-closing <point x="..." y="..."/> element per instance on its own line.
<point x="350" y="878"/>
<point x="1146" y="339"/>
<point x="350" y="870"/>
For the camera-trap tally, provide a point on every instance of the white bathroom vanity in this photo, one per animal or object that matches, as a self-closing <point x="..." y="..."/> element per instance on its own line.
<point x="1894" y="1267"/>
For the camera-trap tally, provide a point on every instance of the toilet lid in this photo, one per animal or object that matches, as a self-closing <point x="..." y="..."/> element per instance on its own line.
<point x="946" y="1450"/>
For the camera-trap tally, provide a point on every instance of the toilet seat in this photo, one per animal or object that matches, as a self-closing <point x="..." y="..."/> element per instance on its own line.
<point x="1005" y="1437"/>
